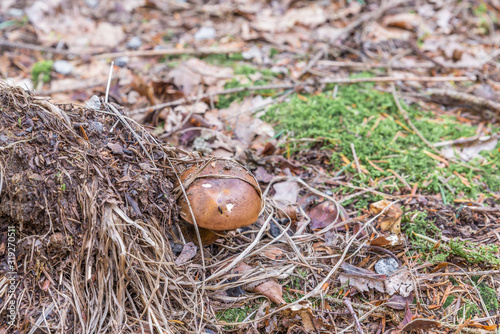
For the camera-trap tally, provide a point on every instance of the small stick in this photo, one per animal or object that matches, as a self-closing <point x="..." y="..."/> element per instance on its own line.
<point x="311" y="63"/>
<point x="166" y="52"/>
<point x="109" y="81"/>
<point x="393" y="79"/>
<point x="34" y="47"/>
<point x="400" y="178"/>
<point x="466" y="98"/>
<point x="83" y="86"/>
<point x="467" y="140"/>
<point x="367" y="66"/>
<point x="347" y="302"/>
<point x="410" y="123"/>
<point x="354" y="155"/>
<point x="295" y="85"/>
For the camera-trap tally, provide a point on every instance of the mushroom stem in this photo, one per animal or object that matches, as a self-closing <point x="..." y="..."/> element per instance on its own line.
<point x="207" y="236"/>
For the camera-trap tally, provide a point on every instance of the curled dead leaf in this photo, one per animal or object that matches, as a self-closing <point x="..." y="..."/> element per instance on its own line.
<point x="272" y="290"/>
<point x="391" y="218"/>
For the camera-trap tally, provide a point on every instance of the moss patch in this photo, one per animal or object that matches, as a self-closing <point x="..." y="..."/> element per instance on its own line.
<point x="369" y="119"/>
<point x="41" y="70"/>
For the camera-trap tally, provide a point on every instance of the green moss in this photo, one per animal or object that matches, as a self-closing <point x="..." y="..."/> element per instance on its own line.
<point x="469" y="309"/>
<point x="418" y="222"/>
<point x="370" y="120"/>
<point x="475" y="253"/>
<point x="489" y="297"/>
<point x="235" y="314"/>
<point x="41" y="70"/>
<point x="449" y="300"/>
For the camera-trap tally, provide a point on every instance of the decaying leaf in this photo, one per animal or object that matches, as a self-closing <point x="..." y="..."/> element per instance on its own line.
<point x="391" y="219"/>
<point x="425" y="324"/>
<point x="399" y="282"/>
<point x="286" y="192"/>
<point x="272" y="290"/>
<point x="188" y="252"/>
<point x="193" y="72"/>
<point x="269" y="288"/>
<point x="302" y="312"/>
<point x="325" y="214"/>
<point x="272" y="253"/>
<point x="364" y="280"/>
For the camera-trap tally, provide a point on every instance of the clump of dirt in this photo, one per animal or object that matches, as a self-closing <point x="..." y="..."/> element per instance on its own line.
<point x="89" y="193"/>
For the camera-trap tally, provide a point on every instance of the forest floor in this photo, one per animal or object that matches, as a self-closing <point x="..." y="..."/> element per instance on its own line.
<point x="372" y="128"/>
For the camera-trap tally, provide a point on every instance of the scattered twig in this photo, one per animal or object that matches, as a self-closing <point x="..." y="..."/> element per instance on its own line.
<point x="393" y="79"/>
<point x="371" y="16"/>
<point x="460" y="141"/>
<point x="367" y="66"/>
<point x="168" y="52"/>
<point x="34" y="47"/>
<point x="355" y="157"/>
<point x="407" y="119"/>
<point x="312" y="62"/>
<point x="466" y="98"/>
<point x="294" y="85"/>
<point x="347" y="303"/>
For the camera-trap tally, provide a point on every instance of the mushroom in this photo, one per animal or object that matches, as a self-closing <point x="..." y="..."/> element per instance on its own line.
<point x="223" y="195"/>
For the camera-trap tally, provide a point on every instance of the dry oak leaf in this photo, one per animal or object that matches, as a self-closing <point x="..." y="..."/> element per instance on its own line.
<point x="391" y="218"/>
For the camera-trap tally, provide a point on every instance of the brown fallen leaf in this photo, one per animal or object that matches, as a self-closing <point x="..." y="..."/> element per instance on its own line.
<point x="188" y="252"/>
<point x="115" y="148"/>
<point x="272" y="290"/>
<point x="362" y="279"/>
<point x="310" y="323"/>
<point x="325" y="214"/>
<point x="272" y="253"/>
<point x="425" y="324"/>
<point x="391" y="219"/>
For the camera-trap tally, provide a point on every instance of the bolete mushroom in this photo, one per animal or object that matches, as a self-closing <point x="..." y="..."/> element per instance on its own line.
<point x="223" y="195"/>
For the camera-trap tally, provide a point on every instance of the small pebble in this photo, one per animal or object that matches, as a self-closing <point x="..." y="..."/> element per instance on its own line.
<point x="96" y="126"/>
<point x="134" y="43"/>
<point x="63" y="67"/>
<point x="274" y="230"/>
<point x="176" y="248"/>
<point x="15" y="12"/>
<point x="386" y="266"/>
<point x="121" y="61"/>
<point x="94" y="102"/>
<point x="254" y="52"/>
<point x="92" y="3"/>
<point x="204" y="33"/>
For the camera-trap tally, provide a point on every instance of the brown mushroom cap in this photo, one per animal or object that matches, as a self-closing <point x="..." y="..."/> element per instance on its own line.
<point x="223" y="195"/>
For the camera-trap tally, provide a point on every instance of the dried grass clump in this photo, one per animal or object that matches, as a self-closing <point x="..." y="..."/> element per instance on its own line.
<point x="92" y="205"/>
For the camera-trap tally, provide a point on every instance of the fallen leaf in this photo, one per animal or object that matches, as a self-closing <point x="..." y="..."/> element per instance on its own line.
<point x="425" y="324"/>
<point x="407" y="21"/>
<point x="325" y="214"/>
<point x="188" y="252"/>
<point x="191" y="73"/>
<point x="263" y="175"/>
<point x="272" y="290"/>
<point x="362" y="279"/>
<point x="286" y="192"/>
<point x="399" y="282"/>
<point x="391" y="219"/>
<point x="115" y="148"/>
<point x="272" y="253"/>
<point x="473" y="149"/>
